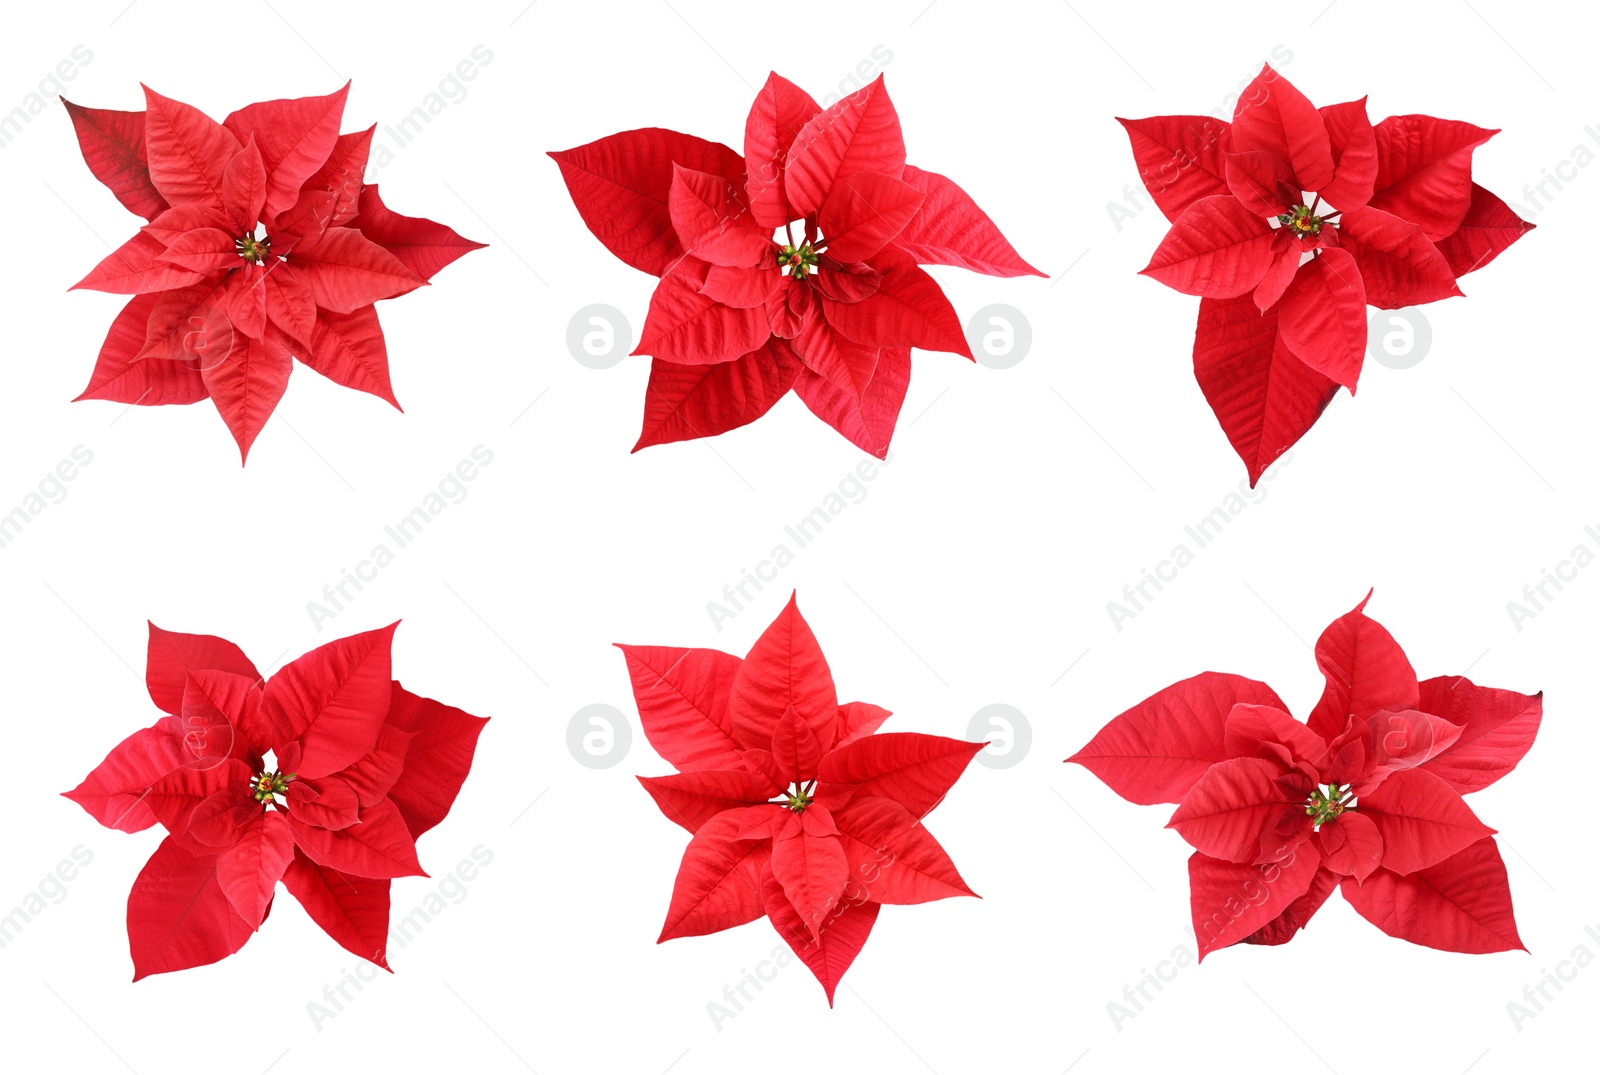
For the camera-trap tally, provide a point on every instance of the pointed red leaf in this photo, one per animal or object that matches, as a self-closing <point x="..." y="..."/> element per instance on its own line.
<point x="341" y="175"/>
<point x="687" y="402"/>
<point x="869" y="422"/>
<point x="349" y="349"/>
<point x="682" y="695"/>
<point x="691" y="799"/>
<point x="776" y="116"/>
<point x="378" y="845"/>
<point x="1497" y="728"/>
<point x="813" y="871"/>
<point x="1216" y="248"/>
<point x="784" y="668"/>
<point x="151" y="381"/>
<point x="113" y="792"/>
<point x="1425" y="170"/>
<point x="719" y="880"/>
<point x="1365" y="671"/>
<point x="858" y="133"/>
<point x="188" y="151"/>
<point x="354" y="911"/>
<point x="950" y="229"/>
<point x="1399" y="267"/>
<point x="687" y="327"/>
<point x="247" y="384"/>
<point x="913" y="769"/>
<point x="1323" y="316"/>
<point x="1281" y="930"/>
<point x="619" y="185"/>
<point x="864" y="211"/>
<point x="907" y="310"/>
<point x="347" y="271"/>
<point x="1264" y="397"/>
<point x="1229" y="901"/>
<point x="829" y="954"/>
<point x="1180" y="158"/>
<point x="289" y="304"/>
<point x="1274" y="117"/>
<point x="1462" y="904"/>
<point x="847" y="365"/>
<point x="1488" y="228"/>
<point x="1155" y="751"/>
<point x="712" y="221"/>
<point x="172" y="655"/>
<point x="438" y="757"/>
<point x="178" y="914"/>
<point x="421" y="245"/>
<point x="1422" y="820"/>
<point x="334" y="699"/>
<point x="113" y="147"/>
<point x="859" y="719"/>
<point x="1352" y="844"/>
<point x="249" y="869"/>
<point x="1231" y="808"/>
<point x="1355" y="155"/>
<point x="1263" y="182"/>
<point x="136" y="268"/>
<point x="295" y="136"/>
<point x="795" y="749"/>
<point x="893" y="857"/>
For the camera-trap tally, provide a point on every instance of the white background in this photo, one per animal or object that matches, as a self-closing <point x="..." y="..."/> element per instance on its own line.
<point x="976" y="570"/>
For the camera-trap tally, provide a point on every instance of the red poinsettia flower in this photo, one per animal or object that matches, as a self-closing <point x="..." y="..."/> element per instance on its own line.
<point x="321" y="777"/>
<point x="262" y="243"/>
<point x="799" y="812"/>
<point x="1288" y="223"/>
<point x="831" y="307"/>
<point x="1366" y="796"/>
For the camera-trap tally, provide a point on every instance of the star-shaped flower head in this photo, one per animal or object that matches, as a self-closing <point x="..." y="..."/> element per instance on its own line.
<point x="794" y="266"/>
<point x="263" y="243"/>
<point x="321" y="777"/>
<point x="1366" y="796"/>
<point x="800" y="812"/>
<point x="1288" y="223"/>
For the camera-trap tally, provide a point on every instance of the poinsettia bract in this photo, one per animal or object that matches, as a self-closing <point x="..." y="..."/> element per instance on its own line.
<point x="1365" y="797"/>
<point x="1288" y="223"/>
<point x="321" y="776"/>
<point x="262" y="243"/>
<point x="793" y="266"/>
<point x="800" y="812"/>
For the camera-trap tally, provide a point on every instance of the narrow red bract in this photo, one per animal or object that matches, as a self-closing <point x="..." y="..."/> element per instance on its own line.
<point x="830" y="310"/>
<point x="360" y="768"/>
<point x="800" y="813"/>
<point x="1365" y="797"/>
<point x="262" y="243"/>
<point x="1288" y="223"/>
